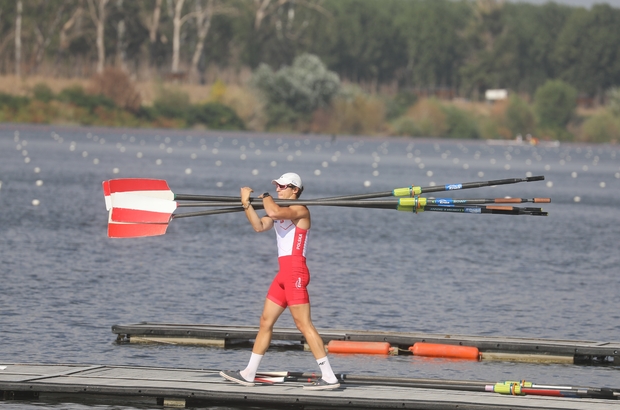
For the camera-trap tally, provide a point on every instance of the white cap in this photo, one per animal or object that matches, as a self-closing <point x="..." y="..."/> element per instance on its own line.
<point x="290" y="178"/>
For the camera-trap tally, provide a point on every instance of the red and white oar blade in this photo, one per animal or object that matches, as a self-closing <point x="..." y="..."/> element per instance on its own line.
<point x="122" y="230"/>
<point x="129" y="207"/>
<point x="156" y="188"/>
<point x="131" y="230"/>
<point x="106" y="195"/>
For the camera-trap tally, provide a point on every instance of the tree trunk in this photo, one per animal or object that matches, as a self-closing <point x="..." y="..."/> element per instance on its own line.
<point x="18" y="39"/>
<point x="177" y="22"/>
<point x="98" y="17"/>
<point x="120" y="37"/>
<point x="152" y="23"/>
<point x="203" y="22"/>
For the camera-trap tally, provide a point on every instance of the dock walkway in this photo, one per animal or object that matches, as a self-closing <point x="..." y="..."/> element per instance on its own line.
<point x="491" y="348"/>
<point x="150" y="386"/>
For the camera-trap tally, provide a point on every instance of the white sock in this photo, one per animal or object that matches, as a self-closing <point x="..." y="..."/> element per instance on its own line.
<point x="327" y="373"/>
<point x="249" y="373"/>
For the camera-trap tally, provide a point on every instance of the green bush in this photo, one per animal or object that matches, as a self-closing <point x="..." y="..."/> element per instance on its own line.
<point x="304" y="86"/>
<point x="613" y="95"/>
<point x="280" y="115"/>
<point x="215" y="116"/>
<point x="171" y="103"/>
<point x="460" y="123"/>
<point x="554" y="104"/>
<point x="604" y="127"/>
<point x="13" y="102"/>
<point x="406" y="126"/>
<point x="397" y="106"/>
<point x="519" y="116"/>
<point x="77" y="96"/>
<point x="42" y="92"/>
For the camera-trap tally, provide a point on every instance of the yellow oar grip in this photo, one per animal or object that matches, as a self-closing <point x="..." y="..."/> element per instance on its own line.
<point x="401" y="192"/>
<point x="419" y="202"/>
<point x="409" y="191"/>
<point x="513" y="388"/>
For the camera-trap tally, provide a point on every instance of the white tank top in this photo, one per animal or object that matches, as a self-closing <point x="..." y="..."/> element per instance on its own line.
<point x="291" y="239"/>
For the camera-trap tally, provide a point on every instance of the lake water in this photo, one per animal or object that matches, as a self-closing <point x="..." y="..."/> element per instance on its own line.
<point x="65" y="283"/>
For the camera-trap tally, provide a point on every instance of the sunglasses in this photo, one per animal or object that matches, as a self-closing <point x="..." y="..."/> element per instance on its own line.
<point x="283" y="187"/>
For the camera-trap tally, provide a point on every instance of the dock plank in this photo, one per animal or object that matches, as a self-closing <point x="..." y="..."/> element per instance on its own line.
<point x="198" y="388"/>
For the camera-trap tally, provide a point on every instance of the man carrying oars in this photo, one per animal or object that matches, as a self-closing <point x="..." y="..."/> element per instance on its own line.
<point x="288" y="288"/>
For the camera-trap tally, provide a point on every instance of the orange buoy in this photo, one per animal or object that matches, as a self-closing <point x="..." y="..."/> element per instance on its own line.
<point x="440" y="350"/>
<point x="343" y="346"/>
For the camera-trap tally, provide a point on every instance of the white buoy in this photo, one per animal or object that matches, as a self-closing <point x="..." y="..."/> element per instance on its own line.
<point x="27" y="160"/>
<point x="480" y="174"/>
<point x="254" y="172"/>
<point x="39" y="182"/>
<point x="549" y="184"/>
<point x="429" y="173"/>
<point x="602" y="184"/>
<point x="139" y="155"/>
<point x="188" y="171"/>
<point x="96" y="161"/>
<point x="37" y="170"/>
<point x="367" y="183"/>
<point x="36" y="202"/>
<point x="577" y="199"/>
<point x="317" y="172"/>
<point x="115" y="170"/>
<point x="158" y="161"/>
<point x="573" y="174"/>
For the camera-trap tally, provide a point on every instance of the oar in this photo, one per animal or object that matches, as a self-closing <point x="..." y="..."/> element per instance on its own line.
<point x="416" y="190"/>
<point x="132" y="208"/>
<point x="514" y="388"/>
<point x="480" y="209"/>
<point x="159" y="188"/>
<point x="400" y="201"/>
<point x="131" y="230"/>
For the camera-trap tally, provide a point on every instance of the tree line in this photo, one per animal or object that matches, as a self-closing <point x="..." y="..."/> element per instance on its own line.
<point x="458" y="47"/>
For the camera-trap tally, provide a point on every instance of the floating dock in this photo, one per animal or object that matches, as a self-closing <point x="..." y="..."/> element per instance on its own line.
<point x="491" y="348"/>
<point x="151" y="386"/>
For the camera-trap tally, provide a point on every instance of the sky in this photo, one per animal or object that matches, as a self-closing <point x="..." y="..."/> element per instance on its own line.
<point x="581" y="3"/>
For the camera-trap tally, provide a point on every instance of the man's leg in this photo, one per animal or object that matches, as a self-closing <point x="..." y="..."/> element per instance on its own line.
<point x="271" y="313"/>
<point x="303" y="321"/>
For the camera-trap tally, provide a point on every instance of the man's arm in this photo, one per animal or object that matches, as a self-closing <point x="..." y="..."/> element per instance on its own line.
<point x="259" y="224"/>
<point x="299" y="214"/>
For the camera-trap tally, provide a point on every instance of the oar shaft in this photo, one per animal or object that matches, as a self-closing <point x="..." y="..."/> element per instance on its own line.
<point x="450" y="209"/>
<point x="377" y="203"/>
<point x="409" y="191"/>
<point x="415" y="190"/>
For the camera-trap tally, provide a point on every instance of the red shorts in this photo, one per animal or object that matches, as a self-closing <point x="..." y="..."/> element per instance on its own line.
<point x="289" y="285"/>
